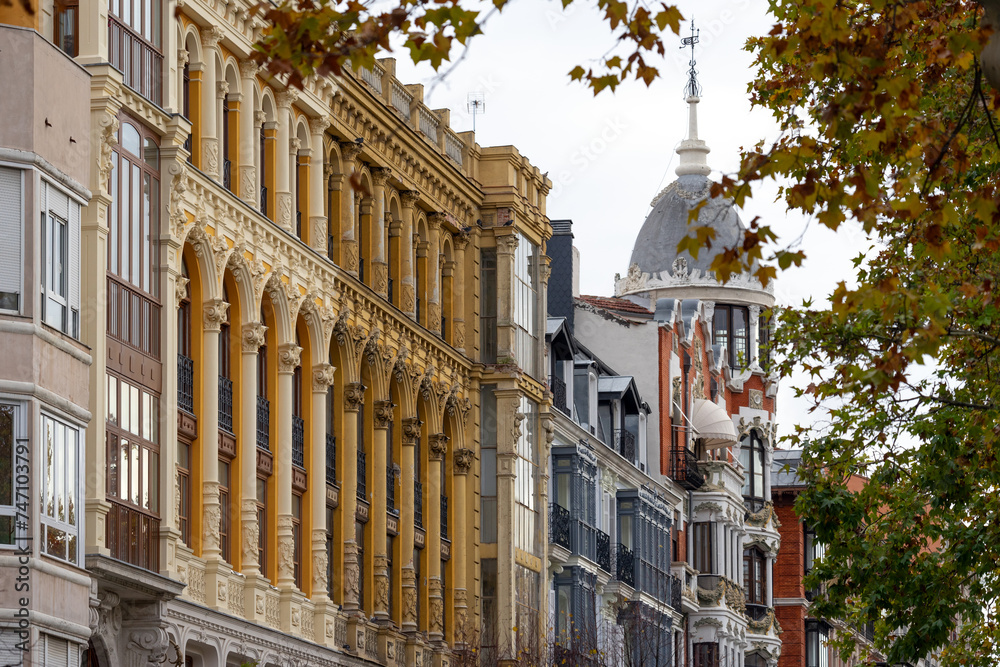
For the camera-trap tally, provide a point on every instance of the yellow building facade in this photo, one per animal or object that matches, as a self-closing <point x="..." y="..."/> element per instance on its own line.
<point x="293" y="301"/>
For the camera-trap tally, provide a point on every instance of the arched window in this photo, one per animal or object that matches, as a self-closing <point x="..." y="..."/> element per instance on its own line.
<point x="752" y="457"/>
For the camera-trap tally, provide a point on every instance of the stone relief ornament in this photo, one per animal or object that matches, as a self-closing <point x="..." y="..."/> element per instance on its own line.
<point x="463" y="460"/>
<point x="354" y="396"/>
<point x="352" y="574"/>
<point x="109" y="139"/>
<point x="323" y="377"/>
<point x="407" y="299"/>
<point x="251" y="533"/>
<point x="409" y="596"/>
<point x="635" y="281"/>
<point x="214" y="314"/>
<point x="181" y="289"/>
<point x="289" y="357"/>
<point x="319" y="570"/>
<point x="213" y="517"/>
<point x="382" y="416"/>
<point x="411" y="430"/>
<point x="210" y="149"/>
<point x="757" y="399"/>
<point x="286" y="548"/>
<point x="149" y="643"/>
<point x="253" y="337"/>
<point x="438" y="446"/>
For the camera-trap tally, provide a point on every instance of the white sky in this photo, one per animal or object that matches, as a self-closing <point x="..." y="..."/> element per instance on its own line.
<point x="608" y="156"/>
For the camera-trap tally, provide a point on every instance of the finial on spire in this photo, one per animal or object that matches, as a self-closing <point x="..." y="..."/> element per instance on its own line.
<point x="692" y="88"/>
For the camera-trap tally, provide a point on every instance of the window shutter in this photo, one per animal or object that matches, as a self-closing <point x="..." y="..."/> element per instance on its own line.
<point x="56" y="652"/>
<point x="11" y="224"/>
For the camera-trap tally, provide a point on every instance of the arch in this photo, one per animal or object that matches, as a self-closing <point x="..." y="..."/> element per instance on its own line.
<point x="276" y="292"/>
<point x="203" y="653"/>
<point x="421" y="267"/>
<point x="239" y="268"/>
<point x="315" y="319"/>
<point x="267" y="104"/>
<point x="301" y="165"/>
<point x="202" y="257"/>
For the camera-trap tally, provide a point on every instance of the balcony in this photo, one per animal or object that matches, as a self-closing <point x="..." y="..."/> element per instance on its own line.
<point x="132" y="536"/>
<point x="418" y="504"/>
<point x="676" y="592"/>
<point x="227" y="174"/>
<point x="684" y="468"/>
<point x="558" y="386"/>
<point x="625" y="444"/>
<point x="444" y="516"/>
<point x="141" y="65"/>
<point x="624" y="565"/>
<point x="362" y="481"/>
<point x="185" y="384"/>
<point x="390" y="488"/>
<point x="331" y="459"/>
<point x="604" y="551"/>
<point x="757" y="612"/>
<point x="559" y="525"/>
<point x="264" y="423"/>
<point x="225" y="404"/>
<point x="298" y="441"/>
<point x="133" y="318"/>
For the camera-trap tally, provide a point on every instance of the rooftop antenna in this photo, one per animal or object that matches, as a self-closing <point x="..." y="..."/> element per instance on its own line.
<point x="692" y="88"/>
<point x="476" y="105"/>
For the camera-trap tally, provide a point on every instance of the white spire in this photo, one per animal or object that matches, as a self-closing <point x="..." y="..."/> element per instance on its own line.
<point x="693" y="151"/>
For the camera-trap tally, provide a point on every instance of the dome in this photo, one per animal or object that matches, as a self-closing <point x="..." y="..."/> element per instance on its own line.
<point x="655" y="247"/>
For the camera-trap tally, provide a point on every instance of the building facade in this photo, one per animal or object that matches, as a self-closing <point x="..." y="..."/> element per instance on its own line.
<point x="296" y="306"/>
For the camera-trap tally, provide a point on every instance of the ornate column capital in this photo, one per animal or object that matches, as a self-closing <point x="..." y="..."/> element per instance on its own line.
<point x="286" y="98"/>
<point x="259" y="117"/>
<point x="383" y="413"/>
<point x="319" y="125"/>
<point x="253" y="337"/>
<point x="462" y="461"/>
<point x="182" y="58"/>
<point x="323" y="377"/>
<point x="506" y="243"/>
<point x="210" y="37"/>
<point x="438" y="446"/>
<point x="349" y="151"/>
<point x="411" y="430"/>
<point x="289" y="357"/>
<point x="223" y="88"/>
<point x="461" y="240"/>
<point x="354" y="396"/>
<point x="294" y="144"/>
<point x="248" y="69"/>
<point x="409" y="198"/>
<point x="380" y="175"/>
<point x="435" y="220"/>
<point x="214" y="314"/>
<point x="754" y="312"/>
<point x="180" y="289"/>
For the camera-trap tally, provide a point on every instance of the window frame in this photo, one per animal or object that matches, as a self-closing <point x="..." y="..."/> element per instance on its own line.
<point x="730" y="334"/>
<point x="18" y="438"/>
<point x="73" y="471"/>
<point x="753" y="453"/>
<point x="703" y="534"/>
<point x="754" y="576"/>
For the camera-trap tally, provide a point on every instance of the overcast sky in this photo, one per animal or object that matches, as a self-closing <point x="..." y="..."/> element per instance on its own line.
<point x="609" y="156"/>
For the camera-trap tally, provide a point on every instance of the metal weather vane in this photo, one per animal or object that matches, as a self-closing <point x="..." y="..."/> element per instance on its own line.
<point x="692" y="88"/>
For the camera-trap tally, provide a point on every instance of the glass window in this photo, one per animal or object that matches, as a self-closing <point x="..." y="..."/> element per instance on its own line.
<point x="9" y="458"/>
<point x="754" y="576"/>
<point x="262" y="526"/>
<point x="752" y="458"/>
<point x="60" y="492"/>
<point x="225" y="510"/>
<point x="488" y="305"/>
<point x="184" y="490"/>
<point x="490" y="633"/>
<point x="817" y="654"/>
<point x="488" y="465"/>
<point x="704" y="554"/>
<point x="525" y="302"/>
<point x="730" y="327"/>
<point x="525" y="486"/>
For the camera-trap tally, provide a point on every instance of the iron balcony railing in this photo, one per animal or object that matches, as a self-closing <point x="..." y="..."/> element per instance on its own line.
<point x="298" y="441"/>
<point x="444" y="516"/>
<point x="604" y="551"/>
<point x="225" y="404"/>
<point x="684" y="468"/>
<point x="263" y="201"/>
<point x="227" y="174"/>
<point x="625" y="444"/>
<point x="185" y="383"/>
<point x="559" y="525"/>
<point x="298" y="224"/>
<point x="390" y="487"/>
<point x="263" y="423"/>
<point x="141" y="65"/>
<point x="558" y="386"/>
<point x="418" y="504"/>
<point x="362" y="481"/>
<point x="331" y="246"/>
<point x="676" y="590"/>
<point x="624" y="565"/>
<point x="331" y="459"/>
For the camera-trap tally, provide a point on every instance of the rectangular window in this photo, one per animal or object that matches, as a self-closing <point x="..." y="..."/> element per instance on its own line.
<point x="57" y="652"/>
<point x="60" y="493"/>
<point x="224" y="522"/>
<point x="526" y="305"/>
<point x="390" y="549"/>
<point x="262" y="525"/>
<point x="817" y="654"/>
<point x="297" y="539"/>
<point x="488" y="305"/>
<point x="11" y="226"/>
<point x="184" y="490"/>
<point x="60" y="260"/>
<point x="706" y="655"/>
<point x="10" y="434"/>
<point x="488" y="464"/>
<point x="417" y="553"/>
<point x="704" y="560"/>
<point x="331" y="566"/>
<point x="525" y="483"/>
<point x="67" y="25"/>
<point x="359" y="538"/>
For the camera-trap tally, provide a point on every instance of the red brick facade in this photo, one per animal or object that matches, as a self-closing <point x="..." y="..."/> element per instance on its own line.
<point x="789" y="593"/>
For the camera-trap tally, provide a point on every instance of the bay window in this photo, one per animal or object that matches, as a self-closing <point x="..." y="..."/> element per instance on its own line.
<point x="60" y="492"/>
<point x="754" y="576"/>
<point x="60" y="260"/>
<point x="817" y="654"/>
<point x="11" y="430"/>
<point x="752" y="458"/>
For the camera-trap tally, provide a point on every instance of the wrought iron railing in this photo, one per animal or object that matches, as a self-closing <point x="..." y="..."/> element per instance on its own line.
<point x="418" y="504"/>
<point x="684" y="468"/>
<point x="263" y="423"/>
<point x="361" y="269"/>
<point x="389" y="291"/>
<point x="676" y="591"/>
<point x="444" y="516"/>
<point x="298" y="441"/>
<point x="757" y="612"/>
<point x="331" y="241"/>
<point x="132" y="536"/>
<point x="362" y="480"/>
<point x="298" y="224"/>
<point x="558" y="386"/>
<point x="225" y="404"/>
<point x="187" y="146"/>
<point x="331" y="459"/>
<point x="263" y="201"/>
<point x="133" y="318"/>
<point x="390" y="487"/>
<point x="625" y="444"/>
<point x="185" y="383"/>
<point x="603" y="551"/>
<point x="624" y="564"/>
<point x="227" y="174"/>
<point x="559" y="525"/>
<point x="141" y="65"/>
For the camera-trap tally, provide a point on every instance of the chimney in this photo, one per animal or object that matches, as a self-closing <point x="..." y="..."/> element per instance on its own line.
<point x="562" y="281"/>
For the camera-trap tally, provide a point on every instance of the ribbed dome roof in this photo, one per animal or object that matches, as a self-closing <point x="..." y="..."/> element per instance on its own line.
<point x="656" y="246"/>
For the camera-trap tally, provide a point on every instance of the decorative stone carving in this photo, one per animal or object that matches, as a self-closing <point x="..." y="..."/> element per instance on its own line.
<point x="436" y="606"/>
<point x="323" y="377"/>
<point x="411" y="430"/>
<point x="352" y="574"/>
<point x="435" y="220"/>
<point x="319" y="125"/>
<point x="289" y="357"/>
<point x="462" y="461"/>
<point x="381" y="583"/>
<point x="180" y="289"/>
<point x="407" y="299"/>
<point x="354" y="396"/>
<point x="223" y="89"/>
<point x="409" y="198"/>
<point x="409" y="596"/>
<point x="286" y="548"/>
<point x="212" y="516"/>
<point x="319" y="233"/>
<point x="506" y="244"/>
<point x="380" y="175"/>
<point x="458" y="333"/>
<point x="382" y="415"/>
<point x="635" y="281"/>
<point x="434" y="316"/>
<point x="320" y="565"/>
<point x="519" y="417"/>
<point x="109" y="139"/>
<point x="380" y="277"/>
<point x="349" y="152"/>
<point x="148" y="646"/>
<point x="286" y="98"/>
<point x="251" y="532"/>
<point x="284" y="200"/>
<point x="253" y="337"/>
<point x="350" y="255"/>
<point x="248" y="69"/>
<point x="248" y="184"/>
<point x="757" y="399"/>
<point x="106" y="614"/>
<point x="210" y="150"/>
<point x="211" y="36"/>
<point x="214" y="314"/>
<point x="438" y="446"/>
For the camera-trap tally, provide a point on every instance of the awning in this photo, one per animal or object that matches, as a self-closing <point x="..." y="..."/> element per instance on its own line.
<point x="712" y="424"/>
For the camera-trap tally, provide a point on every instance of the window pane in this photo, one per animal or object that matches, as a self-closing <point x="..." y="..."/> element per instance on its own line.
<point x="48" y="499"/>
<point x="6" y="460"/>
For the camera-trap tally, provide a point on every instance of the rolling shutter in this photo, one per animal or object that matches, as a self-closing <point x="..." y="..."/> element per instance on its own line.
<point x="11" y="225"/>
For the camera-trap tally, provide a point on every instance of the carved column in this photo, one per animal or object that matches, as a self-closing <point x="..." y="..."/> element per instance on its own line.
<point x="509" y="420"/>
<point x="354" y="397"/>
<point x="461" y="465"/>
<point x="438" y="447"/>
<point x="349" y="152"/>
<point x="407" y="295"/>
<point x="434" y="272"/>
<point x="209" y="103"/>
<point x="382" y="416"/>
<point x="214" y="314"/>
<point x="334" y="205"/>
<point x="289" y="358"/>
<point x="461" y="241"/>
<point x="319" y="233"/>
<point x="249" y="135"/>
<point x="296" y="157"/>
<point x="221" y="93"/>
<point x="283" y="196"/>
<point x="409" y="436"/>
<point x="506" y="245"/>
<point x="322" y="380"/>
<point x="252" y="339"/>
<point x="380" y="268"/>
